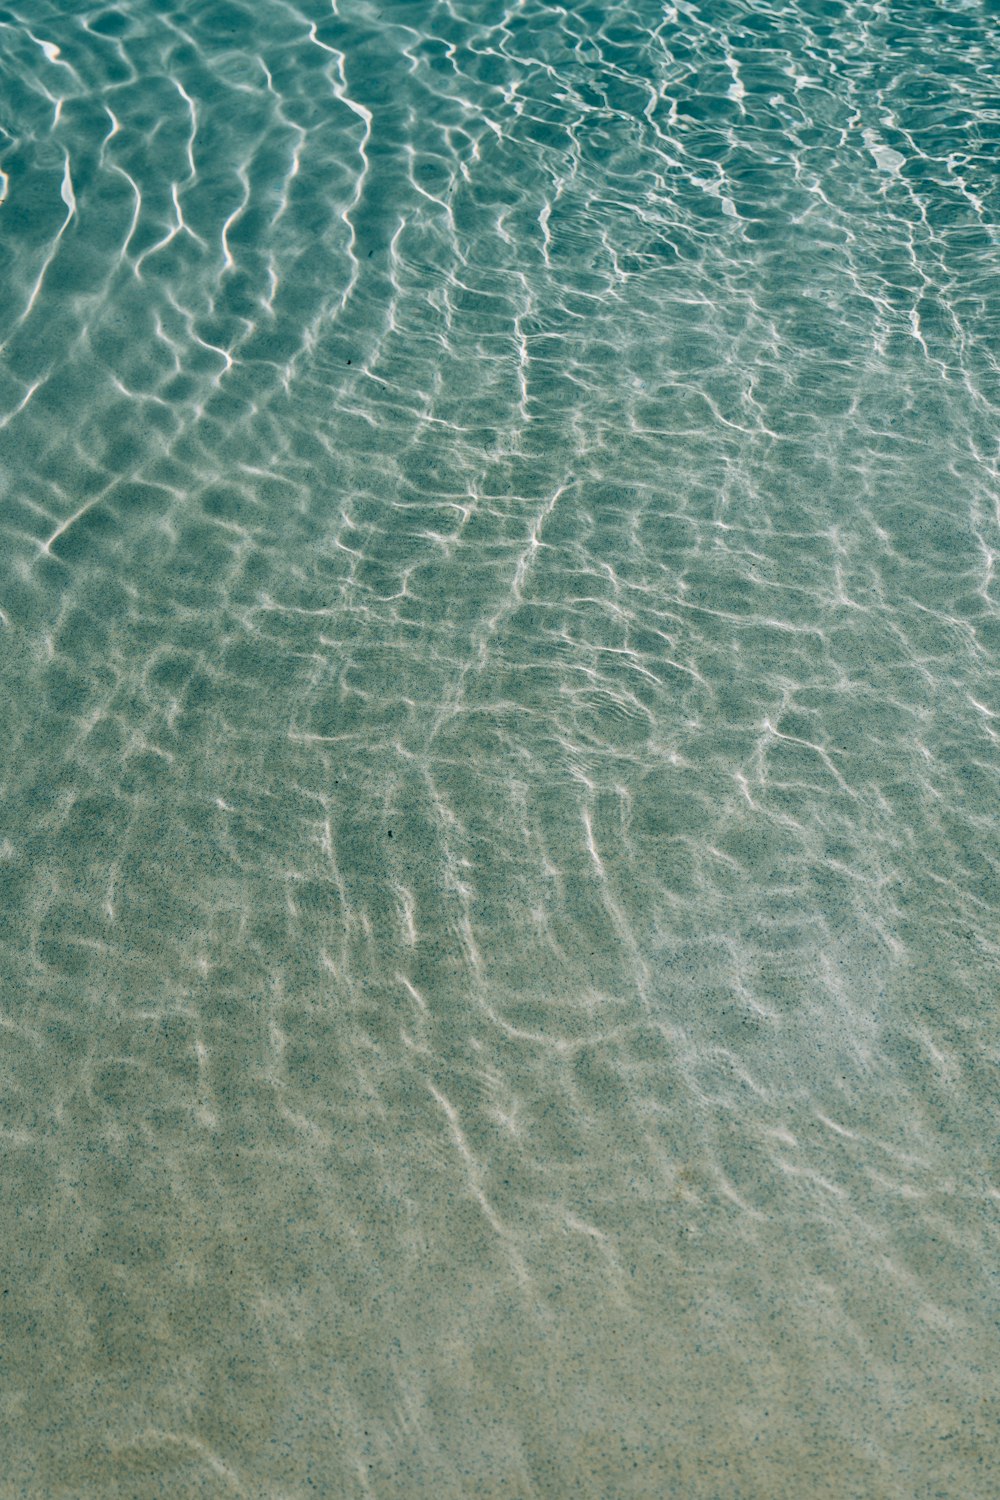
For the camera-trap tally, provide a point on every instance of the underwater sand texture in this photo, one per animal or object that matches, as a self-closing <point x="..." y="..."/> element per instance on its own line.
<point x="500" y="694"/>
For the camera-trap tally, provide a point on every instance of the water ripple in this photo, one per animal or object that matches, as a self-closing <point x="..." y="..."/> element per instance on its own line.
<point x="499" y="647"/>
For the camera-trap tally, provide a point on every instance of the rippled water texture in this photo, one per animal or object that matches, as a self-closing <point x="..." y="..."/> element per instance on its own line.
<point x="500" y="700"/>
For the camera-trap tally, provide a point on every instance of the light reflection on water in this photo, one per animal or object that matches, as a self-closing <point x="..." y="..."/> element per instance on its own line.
<point x="499" y="647"/>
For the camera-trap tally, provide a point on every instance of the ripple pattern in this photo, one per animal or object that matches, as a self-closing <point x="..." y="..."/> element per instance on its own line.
<point x="500" y="657"/>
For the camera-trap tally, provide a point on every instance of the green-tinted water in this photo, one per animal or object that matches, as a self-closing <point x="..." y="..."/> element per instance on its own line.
<point x="501" y="708"/>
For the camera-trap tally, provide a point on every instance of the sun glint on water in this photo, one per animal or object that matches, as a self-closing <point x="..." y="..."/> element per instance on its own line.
<point x="500" y="681"/>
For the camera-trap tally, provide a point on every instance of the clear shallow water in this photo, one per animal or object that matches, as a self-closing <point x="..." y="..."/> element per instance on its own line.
<point x="500" y="700"/>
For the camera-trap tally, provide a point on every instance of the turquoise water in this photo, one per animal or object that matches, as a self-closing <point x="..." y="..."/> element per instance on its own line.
<point x="500" y="659"/>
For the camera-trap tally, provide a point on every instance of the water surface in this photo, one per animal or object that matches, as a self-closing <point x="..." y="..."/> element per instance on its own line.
<point x="498" y="539"/>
